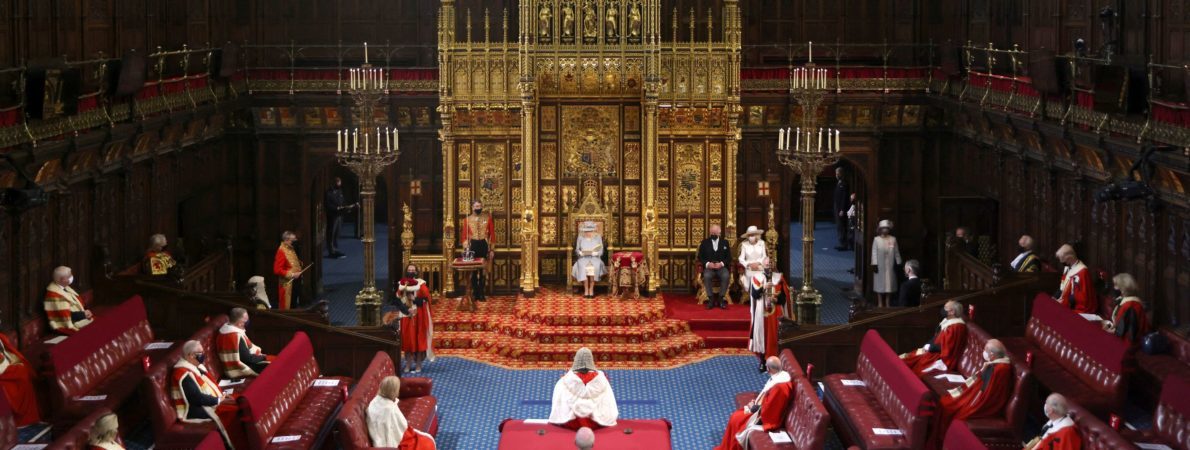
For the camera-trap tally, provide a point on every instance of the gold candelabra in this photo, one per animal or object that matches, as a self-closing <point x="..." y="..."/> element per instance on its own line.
<point x="367" y="150"/>
<point x="808" y="149"/>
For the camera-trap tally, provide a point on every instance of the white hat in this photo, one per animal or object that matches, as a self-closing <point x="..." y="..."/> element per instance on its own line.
<point x="885" y="224"/>
<point x="587" y="226"/>
<point x="751" y="231"/>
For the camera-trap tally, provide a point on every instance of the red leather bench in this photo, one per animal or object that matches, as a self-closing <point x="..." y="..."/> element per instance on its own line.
<point x="168" y="431"/>
<point x="419" y="407"/>
<point x="78" y="435"/>
<point x="1074" y="357"/>
<point x="1154" y="369"/>
<point x="1006" y="428"/>
<point x="282" y="402"/>
<point x="1096" y="434"/>
<point x="213" y="441"/>
<point x="102" y="361"/>
<point x="806" y="420"/>
<point x="892" y="397"/>
<point x="647" y="434"/>
<point x="789" y="363"/>
<point x="8" y="425"/>
<point x="1171" y="420"/>
<point x="960" y="437"/>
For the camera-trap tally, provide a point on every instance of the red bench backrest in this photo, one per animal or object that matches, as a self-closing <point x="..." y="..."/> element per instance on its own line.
<point x="790" y="364"/>
<point x="267" y="403"/>
<point x="213" y="441"/>
<point x="807" y="419"/>
<point x="1172" y="418"/>
<point x="352" y="422"/>
<point x="155" y="388"/>
<point x="1097" y="435"/>
<point x="1079" y="345"/>
<point x="959" y="437"/>
<point x="79" y="435"/>
<point x="89" y="356"/>
<point x="911" y="403"/>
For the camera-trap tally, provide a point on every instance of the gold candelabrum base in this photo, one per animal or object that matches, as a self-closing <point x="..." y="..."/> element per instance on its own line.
<point x="809" y="304"/>
<point x="367" y="304"/>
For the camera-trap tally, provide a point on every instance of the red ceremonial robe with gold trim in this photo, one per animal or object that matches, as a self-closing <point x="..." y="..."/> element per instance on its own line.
<point x="950" y="338"/>
<point x="415" y="329"/>
<point x="1078" y="293"/>
<point x="1066" y="438"/>
<point x="16" y="380"/>
<point x="982" y="396"/>
<point x="284" y="262"/>
<point x="1129" y="319"/>
<point x="773" y="404"/>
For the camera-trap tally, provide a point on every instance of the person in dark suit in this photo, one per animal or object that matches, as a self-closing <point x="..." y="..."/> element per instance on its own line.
<point x="714" y="256"/>
<point x="335" y="207"/>
<point x="842" y="204"/>
<point x="910" y="293"/>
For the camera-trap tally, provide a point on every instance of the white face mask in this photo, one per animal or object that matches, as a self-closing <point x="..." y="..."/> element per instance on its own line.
<point x="70" y="281"/>
<point x="753" y="239"/>
<point x="987" y="356"/>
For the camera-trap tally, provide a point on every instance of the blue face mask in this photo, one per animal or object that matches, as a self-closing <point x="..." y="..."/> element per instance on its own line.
<point x="201" y="358"/>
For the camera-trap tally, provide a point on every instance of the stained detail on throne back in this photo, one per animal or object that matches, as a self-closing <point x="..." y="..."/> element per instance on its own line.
<point x="715" y="155"/>
<point x="632" y="160"/>
<point x="464" y="162"/>
<point x="549" y="160"/>
<point x="590" y="140"/>
<point x="491" y="180"/>
<point x="688" y="178"/>
<point x="663" y="161"/>
<point x="549" y="199"/>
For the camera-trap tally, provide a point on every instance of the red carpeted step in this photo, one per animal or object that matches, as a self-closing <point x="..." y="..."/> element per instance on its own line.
<point x="723" y="339"/>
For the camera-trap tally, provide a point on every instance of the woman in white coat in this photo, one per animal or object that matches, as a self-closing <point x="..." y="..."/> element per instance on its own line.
<point x="753" y="254"/>
<point x="886" y="254"/>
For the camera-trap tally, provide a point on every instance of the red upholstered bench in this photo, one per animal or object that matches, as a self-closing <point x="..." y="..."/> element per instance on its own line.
<point x="8" y="425"/>
<point x="101" y="366"/>
<point x="789" y="363"/>
<point x="35" y="331"/>
<point x="1096" y="434"/>
<point x="213" y="441"/>
<point x="1006" y="428"/>
<point x="892" y="397"/>
<point x="283" y="402"/>
<point x="960" y="437"/>
<point x="1171" y="420"/>
<point x="805" y="422"/>
<point x="168" y="432"/>
<point x="76" y="438"/>
<point x="419" y="407"/>
<point x="1156" y="368"/>
<point x="1074" y="357"/>
<point x="651" y="434"/>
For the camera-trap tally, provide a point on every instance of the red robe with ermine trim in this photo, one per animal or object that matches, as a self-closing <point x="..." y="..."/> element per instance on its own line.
<point x="416" y="330"/>
<point x="950" y="338"/>
<point x="773" y="401"/>
<point x="16" y="381"/>
<point x="983" y="395"/>
<point x="1066" y="438"/>
<point x="1078" y="293"/>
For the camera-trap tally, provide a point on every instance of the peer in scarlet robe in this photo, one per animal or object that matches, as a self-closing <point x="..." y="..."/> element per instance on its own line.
<point x="778" y="299"/>
<point x="241" y="358"/>
<point x="287" y="267"/>
<point x="583" y="397"/>
<point x="16" y="380"/>
<point x="1059" y="434"/>
<point x="982" y="395"/>
<point x="417" y="324"/>
<point x="1128" y="320"/>
<point x="195" y="395"/>
<point x="64" y="309"/>
<point x="388" y="428"/>
<point x="1077" y="291"/>
<point x="946" y="346"/>
<point x="765" y="413"/>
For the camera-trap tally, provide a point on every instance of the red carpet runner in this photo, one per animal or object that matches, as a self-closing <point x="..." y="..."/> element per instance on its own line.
<point x="544" y="331"/>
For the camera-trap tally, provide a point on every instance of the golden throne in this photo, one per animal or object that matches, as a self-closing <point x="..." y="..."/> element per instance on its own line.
<point x="590" y="208"/>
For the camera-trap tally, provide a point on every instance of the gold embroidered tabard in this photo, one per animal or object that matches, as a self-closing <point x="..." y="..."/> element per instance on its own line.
<point x="477" y="227"/>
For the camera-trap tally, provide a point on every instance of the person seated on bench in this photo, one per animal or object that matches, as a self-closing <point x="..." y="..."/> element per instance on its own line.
<point x="1128" y="320"/>
<point x="105" y="434"/>
<point x="1077" y="291"/>
<point x="417" y="325"/>
<point x="194" y="393"/>
<point x="982" y="395"/>
<point x="158" y="260"/>
<point x="1059" y="433"/>
<point x="63" y="306"/>
<point x="765" y="413"/>
<point x="387" y="426"/>
<point x="584" y="439"/>
<point x="583" y="397"/>
<point x="240" y="357"/>
<point x="943" y="351"/>
<point x="16" y="382"/>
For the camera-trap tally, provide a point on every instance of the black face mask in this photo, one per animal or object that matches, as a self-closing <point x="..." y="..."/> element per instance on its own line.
<point x="1020" y="249"/>
<point x="1116" y="293"/>
<point x="410" y="274"/>
<point x="943" y="313"/>
<point x="201" y="358"/>
<point x="714" y="236"/>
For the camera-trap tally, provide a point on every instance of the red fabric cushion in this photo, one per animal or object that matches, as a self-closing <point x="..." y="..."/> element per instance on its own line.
<point x="1088" y="337"/>
<point x="959" y="437"/>
<point x="646" y="435"/>
<point x="271" y="382"/>
<point x="911" y="392"/>
<point x="627" y="258"/>
<point x="83" y="344"/>
<point x="212" y="442"/>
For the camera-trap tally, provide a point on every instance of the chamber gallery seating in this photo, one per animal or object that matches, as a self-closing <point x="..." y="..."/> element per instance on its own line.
<point x="283" y="408"/>
<point x="1156" y="368"/>
<point x="1074" y="357"/>
<point x="805" y="421"/>
<point x="1171" y="419"/>
<point x="646" y="434"/>
<point x="76" y="438"/>
<point x="168" y="431"/>
<point x="101" y="366"/>
<point x="419" y="407"/>
<point x="789" y="363"/>
<point x="1006" y="428"/>
<point x="960" y="437"/>
<point x="883" y="404"/>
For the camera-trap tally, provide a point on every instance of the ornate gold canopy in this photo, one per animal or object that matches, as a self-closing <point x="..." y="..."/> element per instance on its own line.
<point x="590" y="91"/>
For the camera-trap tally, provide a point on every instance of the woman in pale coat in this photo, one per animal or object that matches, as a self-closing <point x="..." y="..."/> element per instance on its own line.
<point x="589" y="268"/>
<point x="753" y="254"/>
<point x="886" y="254"/>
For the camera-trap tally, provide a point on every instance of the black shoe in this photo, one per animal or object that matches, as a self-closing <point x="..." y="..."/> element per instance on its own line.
<point x="710" y="305"/>
<point x="762" y="369"/>
<point x="341" y="256"/>
<point x="722" y="305"/>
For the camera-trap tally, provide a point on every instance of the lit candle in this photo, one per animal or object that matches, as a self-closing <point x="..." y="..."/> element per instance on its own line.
<point x="811" y="51"/>
<point x="781" y="139"/>
<point x="838" y="147"/>
<point x="798" y="143"/>
<point x="355" y="141"/>
<point x="339" y="141"/>
<point x="365" y="52"/>
<point x="820" y="140"/>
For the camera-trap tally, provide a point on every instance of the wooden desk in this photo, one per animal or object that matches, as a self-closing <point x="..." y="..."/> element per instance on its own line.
<point x="467" y="300"/>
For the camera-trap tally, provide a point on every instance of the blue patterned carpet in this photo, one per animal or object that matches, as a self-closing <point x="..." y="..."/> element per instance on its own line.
<point x="343" y="278"/>
<point x="830" y="270"/>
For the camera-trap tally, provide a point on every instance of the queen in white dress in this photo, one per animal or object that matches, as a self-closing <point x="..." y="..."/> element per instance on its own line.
<point x="753" y="255"/>
<point x="589" y="267"/>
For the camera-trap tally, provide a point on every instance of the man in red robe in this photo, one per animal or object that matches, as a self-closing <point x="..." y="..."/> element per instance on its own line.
<point x="765" y="413"/>
<point x="287" y="267"/>
<point x="241" y="358"/>
<point x="778" y="299"/>
<point x="946" y="345"/>
<point x="1059" y="433"/>
<point x="63" y="306"/>
<point x="417" y="325"/>
<point x="1128" y="320"/>
<point x="1076" y="291"/>
<point x="16" y="381"/>
<point x="982" y="395"/>
<point x="583" y="397"/>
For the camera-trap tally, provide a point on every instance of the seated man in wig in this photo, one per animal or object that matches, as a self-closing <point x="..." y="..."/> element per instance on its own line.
<point x="765" y="413"/>
<point x="583" y="397"/>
